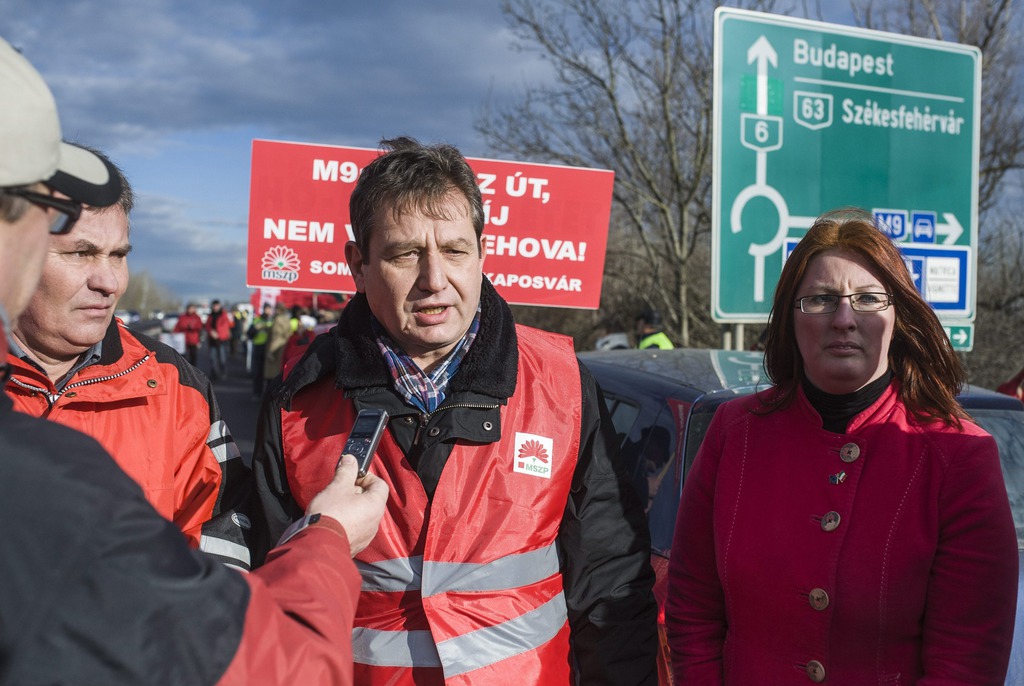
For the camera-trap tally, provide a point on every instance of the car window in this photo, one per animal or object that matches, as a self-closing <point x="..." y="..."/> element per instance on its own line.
<point x="700" y="420"/>
<point x="1007" y="427"/>
<point x="647" y="447"/>
<point x="661" y="480"/>
<point x="624" y="414"/>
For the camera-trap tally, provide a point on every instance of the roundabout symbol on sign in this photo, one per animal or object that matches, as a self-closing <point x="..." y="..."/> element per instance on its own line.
<point x="763" y="133"/>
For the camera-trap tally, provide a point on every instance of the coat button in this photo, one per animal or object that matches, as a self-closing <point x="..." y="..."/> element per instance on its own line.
<point x="815" y="671"/>
<point x="830" y="522"/>
<point x="849" y="452"/>
<point x="151" y="383"/>
<point x="408" y="420"/>
<point x="818" y="598"/>
<point x="70" y="394"/>
<point x="433" y="432"/>
<point x="488" y="426"/>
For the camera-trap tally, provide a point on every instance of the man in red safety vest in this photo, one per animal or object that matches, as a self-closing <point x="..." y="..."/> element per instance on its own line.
<point x="514" y="549"/>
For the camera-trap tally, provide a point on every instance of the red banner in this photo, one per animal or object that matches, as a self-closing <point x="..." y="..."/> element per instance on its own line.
<point x="314" y="301"/>
<point x="545" y="229"/>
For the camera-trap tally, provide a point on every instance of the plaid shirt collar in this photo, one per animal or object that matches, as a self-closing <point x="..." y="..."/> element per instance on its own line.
<point x="421" y="390"/>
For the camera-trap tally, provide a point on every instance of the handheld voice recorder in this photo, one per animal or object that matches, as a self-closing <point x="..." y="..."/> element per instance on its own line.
<point x="365" y="435"/>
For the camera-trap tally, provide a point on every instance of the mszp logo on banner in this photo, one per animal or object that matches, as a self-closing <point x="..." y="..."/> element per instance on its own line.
<point x="280" y="263"/>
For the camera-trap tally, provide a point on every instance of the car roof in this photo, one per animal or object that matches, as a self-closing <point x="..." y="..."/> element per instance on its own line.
<point x="976" y="398"/>
<point x="706" y="370"/>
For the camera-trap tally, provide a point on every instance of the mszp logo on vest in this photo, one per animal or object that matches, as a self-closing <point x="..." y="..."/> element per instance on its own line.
<point x="533" y="455"/>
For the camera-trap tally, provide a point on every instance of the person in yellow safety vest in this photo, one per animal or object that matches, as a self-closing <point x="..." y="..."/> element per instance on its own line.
<point x="259" y="332"/>
<point x="649" y="333"/>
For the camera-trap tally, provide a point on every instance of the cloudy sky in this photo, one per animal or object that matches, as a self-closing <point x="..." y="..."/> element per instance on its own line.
<point x="175" y="91"/>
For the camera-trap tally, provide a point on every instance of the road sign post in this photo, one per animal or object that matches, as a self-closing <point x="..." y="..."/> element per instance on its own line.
<point x="811" y="117"/>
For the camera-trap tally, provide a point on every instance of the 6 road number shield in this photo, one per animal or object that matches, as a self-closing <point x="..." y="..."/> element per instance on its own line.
<point x="762" y="132"/>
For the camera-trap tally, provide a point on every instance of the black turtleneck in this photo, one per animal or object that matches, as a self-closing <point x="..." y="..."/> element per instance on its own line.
<point x="837" y="410"/>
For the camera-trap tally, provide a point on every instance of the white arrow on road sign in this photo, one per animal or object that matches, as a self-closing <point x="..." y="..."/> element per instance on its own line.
<point x="960" y="335"/>
<point x="764" y="53"/>
<point x="951" y="229"/>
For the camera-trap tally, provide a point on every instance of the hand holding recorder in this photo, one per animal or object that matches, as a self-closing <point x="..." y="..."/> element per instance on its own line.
<point x="355" y="497"/>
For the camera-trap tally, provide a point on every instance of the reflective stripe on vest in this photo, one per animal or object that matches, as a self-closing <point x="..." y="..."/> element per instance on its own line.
<point x="394" y="648"/>
<point x="407" y="574"/>
<point x="222" y="443"/>
<point x="463" y="653"/>
<point x="391" y="576"/>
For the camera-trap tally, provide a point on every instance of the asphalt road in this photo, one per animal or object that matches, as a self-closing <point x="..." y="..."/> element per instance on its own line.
<point x="234" y="395"/>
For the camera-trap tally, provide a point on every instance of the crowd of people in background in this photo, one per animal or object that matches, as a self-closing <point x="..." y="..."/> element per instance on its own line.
<point x="268" y="341"/>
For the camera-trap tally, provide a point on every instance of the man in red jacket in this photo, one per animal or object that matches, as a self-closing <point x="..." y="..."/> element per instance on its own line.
<point x="72" y="362"/>
<point x="218" y="333"/>
<point x="190" y="324"/>
<point x="97" y="587"/>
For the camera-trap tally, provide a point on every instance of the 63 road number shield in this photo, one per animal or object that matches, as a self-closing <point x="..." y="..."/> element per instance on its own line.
<point x="813" y="110"/>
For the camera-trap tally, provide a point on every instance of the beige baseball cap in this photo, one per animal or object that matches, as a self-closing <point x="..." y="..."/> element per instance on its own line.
<point x="31" y="149"/>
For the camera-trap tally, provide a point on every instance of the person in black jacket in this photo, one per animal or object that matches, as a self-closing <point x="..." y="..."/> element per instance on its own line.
<point x="97" y="588"/>
<point x="516" y="515"/>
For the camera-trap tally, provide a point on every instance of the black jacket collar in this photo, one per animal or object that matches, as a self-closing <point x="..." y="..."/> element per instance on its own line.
<point x="349" y="351"/>
<point x="112" y="349"/>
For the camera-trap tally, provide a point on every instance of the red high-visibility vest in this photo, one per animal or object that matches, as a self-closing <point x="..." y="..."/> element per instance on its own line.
<point x="471" y="593"/>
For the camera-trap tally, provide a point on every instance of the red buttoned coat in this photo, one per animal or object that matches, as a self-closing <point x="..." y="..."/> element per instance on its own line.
<point x="885" y="555"/>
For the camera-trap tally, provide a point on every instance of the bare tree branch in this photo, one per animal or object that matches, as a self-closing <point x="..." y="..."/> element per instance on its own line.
<point x="632" y="92"/>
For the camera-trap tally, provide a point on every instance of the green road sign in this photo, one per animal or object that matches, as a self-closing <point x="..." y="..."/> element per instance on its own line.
<point x="744" y="367"/>
<point x="960" y="335"/>
<point x="812" y="116"/>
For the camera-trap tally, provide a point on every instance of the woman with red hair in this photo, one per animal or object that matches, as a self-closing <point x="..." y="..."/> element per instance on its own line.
<point x="849" y="524"/>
